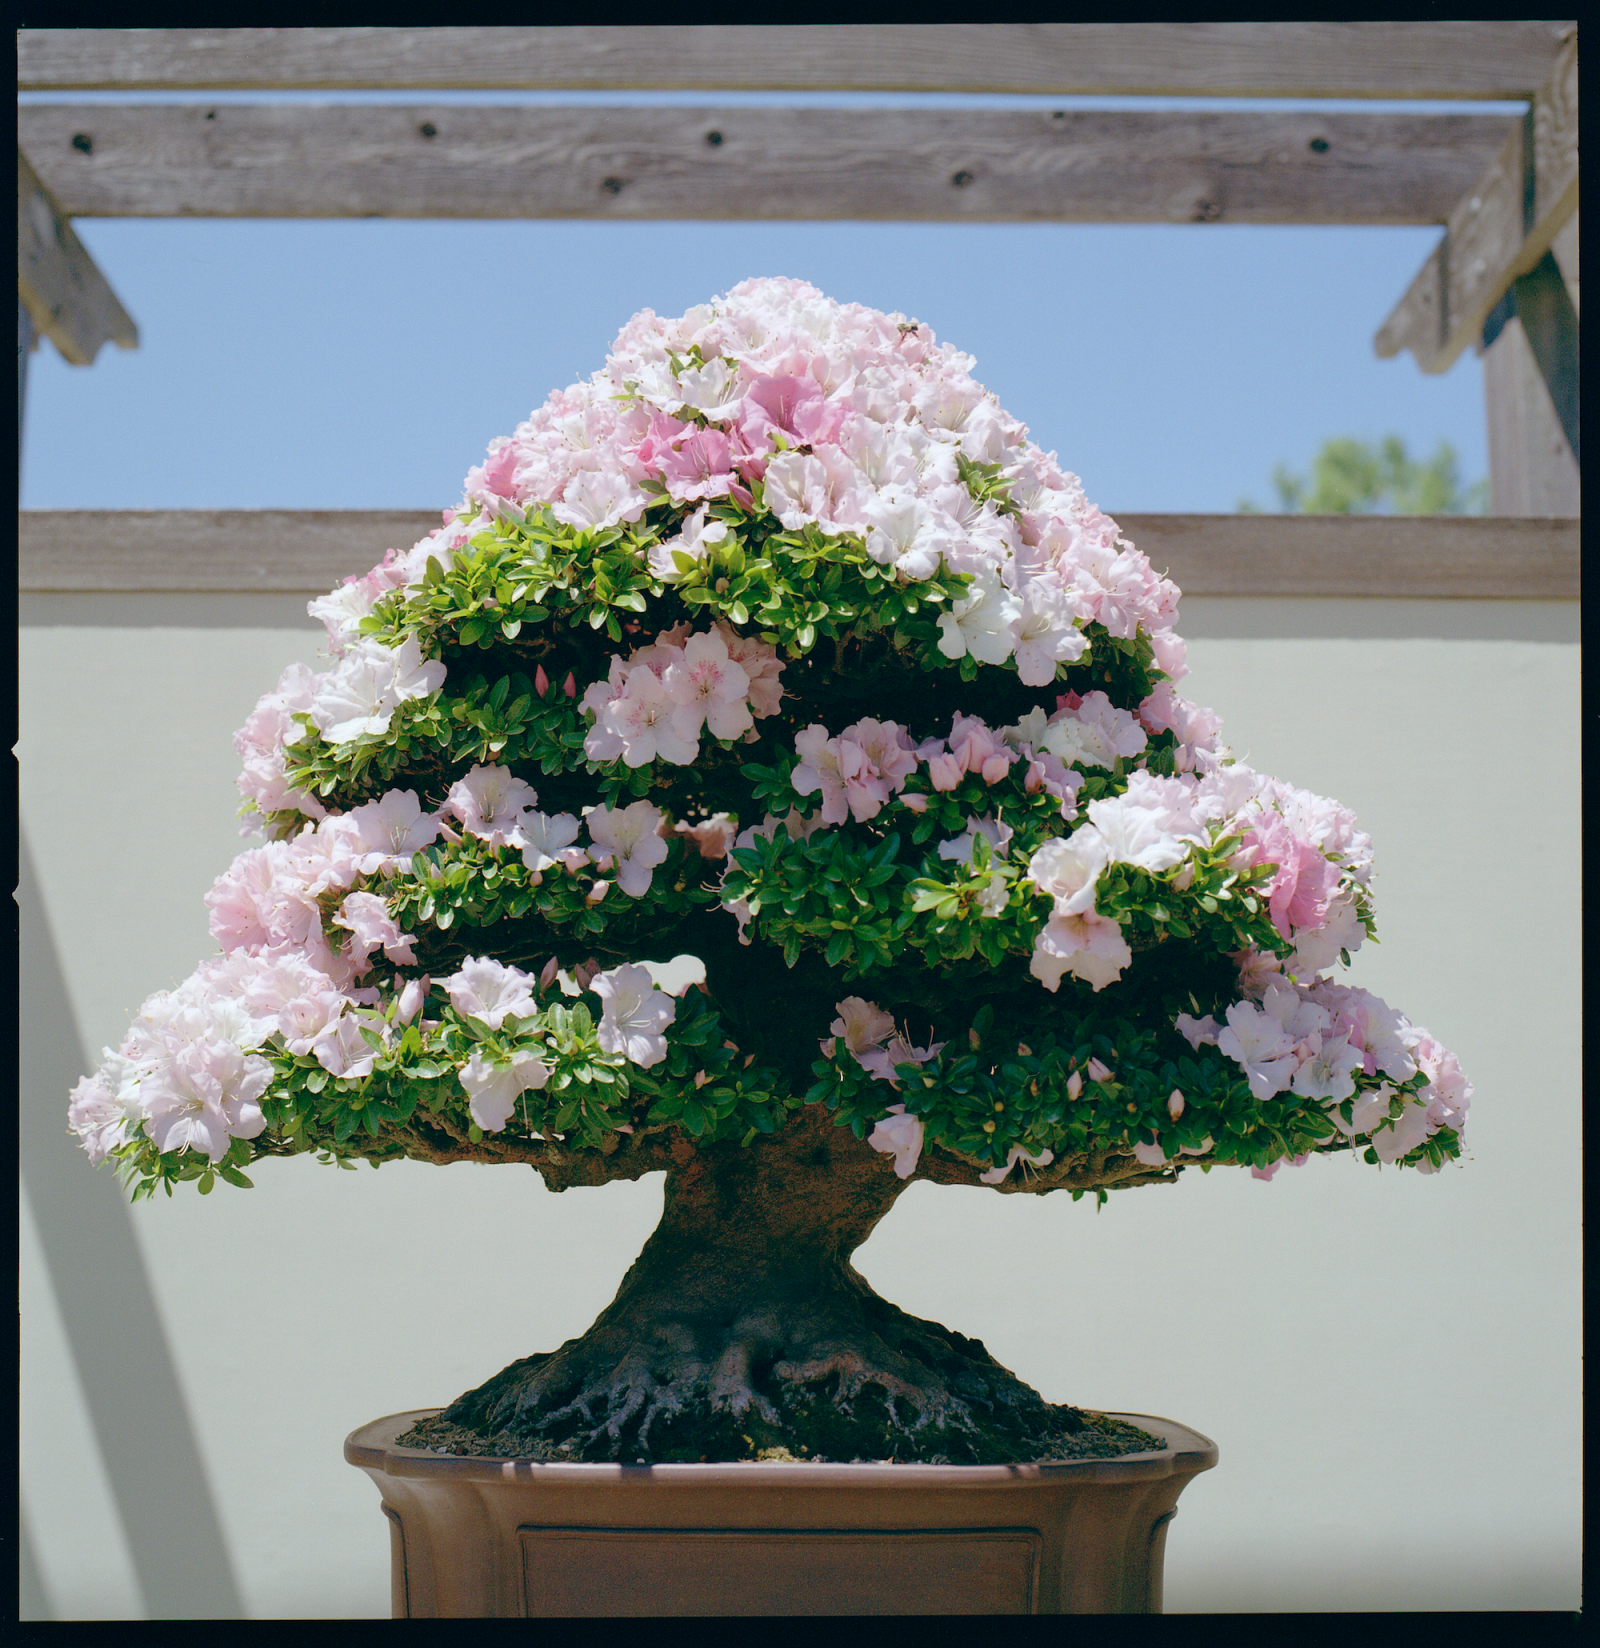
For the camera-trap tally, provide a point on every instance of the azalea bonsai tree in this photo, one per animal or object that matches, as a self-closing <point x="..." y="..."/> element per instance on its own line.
<point x="772" y="775"/>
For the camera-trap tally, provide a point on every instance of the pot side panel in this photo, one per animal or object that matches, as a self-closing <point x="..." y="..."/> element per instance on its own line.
<point x="738" y="1571"/>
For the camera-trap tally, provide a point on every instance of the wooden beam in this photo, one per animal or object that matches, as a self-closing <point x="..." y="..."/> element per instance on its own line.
<point x="67" y="298"/>
<point x="1391" y="60"/>
<point x="428" y="161"/>
<point x="1499" y="231"/>
<point x="308" y="551"/>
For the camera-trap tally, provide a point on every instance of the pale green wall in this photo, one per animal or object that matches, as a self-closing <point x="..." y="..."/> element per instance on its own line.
<point x="1390" y="1363"/>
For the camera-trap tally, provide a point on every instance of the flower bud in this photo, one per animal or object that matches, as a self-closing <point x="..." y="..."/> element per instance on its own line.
<point x="988" y="1127"/>
<point x="1074" y="1085"/>
<point x="541" y="681"/>
<point x="547" y="974"/>
<point x="1098" y="1071"/>
<point x="1175" y="1104"/>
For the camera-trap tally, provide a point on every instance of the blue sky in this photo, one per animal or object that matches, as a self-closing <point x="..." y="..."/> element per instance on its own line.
<point x="367" y="364"/>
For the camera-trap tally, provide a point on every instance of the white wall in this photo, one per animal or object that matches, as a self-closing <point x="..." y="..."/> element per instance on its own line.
<point x="1389" y="1363"/>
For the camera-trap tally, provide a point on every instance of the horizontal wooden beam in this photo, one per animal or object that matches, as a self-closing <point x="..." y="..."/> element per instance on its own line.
<point x="437" y="161"/>
<point x="1381" y="557"/>
<point x="1497" y="233"/>
<point x="66" y="297"/>
<point x="1392" y="60"/>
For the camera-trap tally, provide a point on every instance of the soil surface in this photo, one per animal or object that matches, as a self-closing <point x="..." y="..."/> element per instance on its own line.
<point x="1082" y="1435"/>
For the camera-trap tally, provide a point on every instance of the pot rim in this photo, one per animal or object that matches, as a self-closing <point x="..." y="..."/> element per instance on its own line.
<point x="373" y="1448"/>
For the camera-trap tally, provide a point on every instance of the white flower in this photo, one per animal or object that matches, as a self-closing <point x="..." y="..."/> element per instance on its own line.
<point x="635" y="1014"/>
<point x="493" y="1089"/>
<point x="900" y="1136"/>
<point x="905" y="533"/>
<point x="1068" y="868"/>
<point x="1046" y="634"/>
<point x="983" y="623"/>
<point x="490" y="992"/>
<point x="370" y="682"/>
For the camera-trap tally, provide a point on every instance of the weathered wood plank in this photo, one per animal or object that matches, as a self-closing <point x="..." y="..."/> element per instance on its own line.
<point x="1532" y="470"/>
<point x="1385" y="59"/>
<point x="1497" y="233"/>
<point x="67" y="298"/>
<point x="427" y="161"/>
<point x="1380" y="557"/>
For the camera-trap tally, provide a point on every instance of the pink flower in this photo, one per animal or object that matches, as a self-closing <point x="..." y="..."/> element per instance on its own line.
<point x="979" y="748"/>
<point x="827" y="764"/>
<point x="204" y="1097"/>
<point x="1298" y="895"/>
<point x="713" y="837"/>
<point x="709" y="689"/>
<point x="343" y="1051"/>
<point x="642" y="718"/>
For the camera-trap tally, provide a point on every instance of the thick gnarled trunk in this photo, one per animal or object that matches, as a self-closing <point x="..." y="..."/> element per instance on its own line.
<point x="742" y="1328"/>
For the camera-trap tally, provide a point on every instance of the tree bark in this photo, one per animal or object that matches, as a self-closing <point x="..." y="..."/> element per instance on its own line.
<point x="743" y="1328"/>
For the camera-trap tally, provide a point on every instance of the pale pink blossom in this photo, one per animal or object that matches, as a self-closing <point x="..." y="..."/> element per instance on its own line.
<point x="343" y="1050"/>
<point x="491" y="802"/>
<point x="628" y="841"/>
<point x="1068" y="869"/>
<point x="547" y="840"/>
<point x="1260" y="1046"/>
<point x="366" y="917"/>
<point x="204" y="1097"/>
<point x="493" y="1089"/>
<point x="388" y="831"/>
<point x="899" y="1135"/>
<point x="1089" y="946"/>
<point x="635" y="1014"/>
<point x="643" y="719"/>
<point x="998" y="1175"/>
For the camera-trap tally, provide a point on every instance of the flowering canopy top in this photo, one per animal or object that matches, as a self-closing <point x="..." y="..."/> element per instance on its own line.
<point x="779" y="648"/>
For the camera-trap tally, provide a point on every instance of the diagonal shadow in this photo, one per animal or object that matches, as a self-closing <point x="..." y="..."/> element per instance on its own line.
<point x="108" y="1308"/>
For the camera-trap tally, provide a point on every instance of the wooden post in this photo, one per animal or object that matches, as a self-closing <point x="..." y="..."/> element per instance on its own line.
<point x="27" y="342"/>
<point x="1530" y="385"/>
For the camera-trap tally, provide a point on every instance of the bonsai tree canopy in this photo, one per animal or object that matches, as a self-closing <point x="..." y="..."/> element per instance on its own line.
<point x="770" y="774"/>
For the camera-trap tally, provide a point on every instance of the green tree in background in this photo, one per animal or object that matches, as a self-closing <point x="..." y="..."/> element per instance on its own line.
<point x="1351" y="477"/>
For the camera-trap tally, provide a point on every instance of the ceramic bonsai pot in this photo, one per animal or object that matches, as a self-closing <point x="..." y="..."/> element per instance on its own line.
<point x="506" y="1538"/>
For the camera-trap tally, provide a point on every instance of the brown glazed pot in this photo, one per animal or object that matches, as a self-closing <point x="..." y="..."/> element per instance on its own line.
<point x="511" y="1539"/>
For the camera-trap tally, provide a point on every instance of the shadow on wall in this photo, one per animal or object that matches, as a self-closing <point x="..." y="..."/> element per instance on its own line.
<point x="136" y="1404"/>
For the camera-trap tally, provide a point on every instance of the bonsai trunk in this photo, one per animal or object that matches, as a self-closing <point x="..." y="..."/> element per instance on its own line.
<point x="743" y="1328"/>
